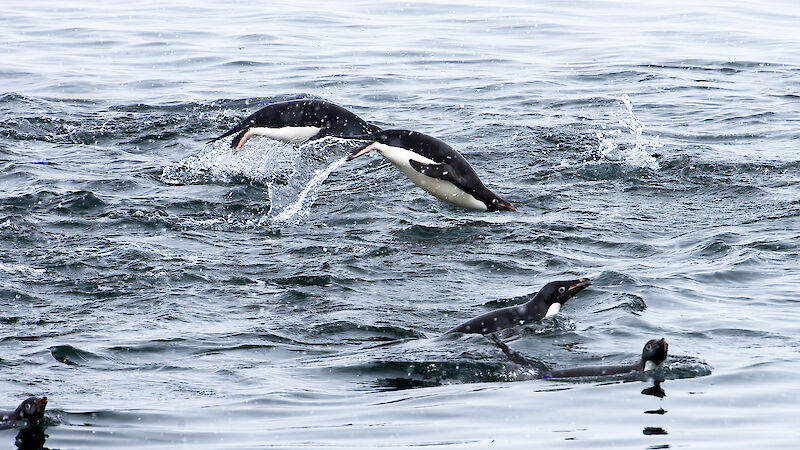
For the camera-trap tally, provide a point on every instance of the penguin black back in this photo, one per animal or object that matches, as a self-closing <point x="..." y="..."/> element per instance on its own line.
<point x="330" y="118"/>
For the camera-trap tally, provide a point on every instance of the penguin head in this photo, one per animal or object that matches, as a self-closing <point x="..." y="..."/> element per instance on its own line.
<point x="498" y="204"/>
<point x="655" y="351"/>
<point x="556" y="293"/>
<point x="561" y="291"/>
<point x="32" y="408"/>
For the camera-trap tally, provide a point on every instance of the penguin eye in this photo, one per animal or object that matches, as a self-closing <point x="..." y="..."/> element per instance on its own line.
<point x="561" y="290"/>
<point x="28" y="406"/>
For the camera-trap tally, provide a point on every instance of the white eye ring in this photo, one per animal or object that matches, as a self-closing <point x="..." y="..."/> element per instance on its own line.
<point x="28" y="406"/>
<point x="561" y="290"/>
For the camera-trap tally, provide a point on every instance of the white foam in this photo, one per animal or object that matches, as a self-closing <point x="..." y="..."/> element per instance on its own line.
<point x="262" y="161"/>
<point x="11" y="268"/>
<point x="615" y="146"/>
<point x="293" y="174"/>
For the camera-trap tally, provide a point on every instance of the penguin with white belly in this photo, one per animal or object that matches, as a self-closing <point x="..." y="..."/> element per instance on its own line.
<point x="435" y="167"/>
<point x="299" y="121"/>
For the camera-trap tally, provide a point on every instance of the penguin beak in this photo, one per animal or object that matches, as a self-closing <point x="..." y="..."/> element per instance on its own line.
<point x="41" y="402"/>
<point x="580" y="285"/>
<point x="502" y="204"/>
<point x="662" y="342"/>
<point x="361" y="150"/>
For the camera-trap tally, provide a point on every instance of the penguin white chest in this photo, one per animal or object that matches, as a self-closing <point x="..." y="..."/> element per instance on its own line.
<point x="553" y="309"/>
<point x="441" y="189"/>
<point x="286" y="134"/>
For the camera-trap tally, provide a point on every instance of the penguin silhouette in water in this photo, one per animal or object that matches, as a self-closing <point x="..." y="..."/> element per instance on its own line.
<point x="653" y="354"/>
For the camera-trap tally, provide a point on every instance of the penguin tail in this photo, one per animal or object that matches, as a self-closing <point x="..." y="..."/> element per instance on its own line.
<point x="235" y="129"/>
<point x="220" y="137"/>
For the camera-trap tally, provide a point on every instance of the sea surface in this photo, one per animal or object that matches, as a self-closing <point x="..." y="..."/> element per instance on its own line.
<point x="165" y="293"/>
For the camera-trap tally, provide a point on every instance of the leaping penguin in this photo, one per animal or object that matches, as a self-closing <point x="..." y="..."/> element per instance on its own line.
<point x="435" y="167"/>
<point x="300" y="120"/>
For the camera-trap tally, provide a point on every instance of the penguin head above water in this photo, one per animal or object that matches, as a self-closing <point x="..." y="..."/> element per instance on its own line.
<point x="556" y="293"/>
<point x="32" y="408"/>
<point x="498" y="204"/>
<point x="654" y="353"/>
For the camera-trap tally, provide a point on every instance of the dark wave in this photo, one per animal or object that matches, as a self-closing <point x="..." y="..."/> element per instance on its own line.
<point x="73" y="356"/>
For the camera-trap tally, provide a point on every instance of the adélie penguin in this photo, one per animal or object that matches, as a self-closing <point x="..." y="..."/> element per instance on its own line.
<point x="653" y="354"/>
<point x="547" y="302"/>
<point x="300" y="120"/>
<point x="32" y="409"/>
<point x="435" y="167"/>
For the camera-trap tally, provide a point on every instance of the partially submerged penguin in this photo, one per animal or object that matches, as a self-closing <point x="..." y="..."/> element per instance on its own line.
<point x="435" y="167"/>
<point x="32" y="409"/>
<point x="653" y="354"/>
<point x="547" y="302"/>
<point x="300" y="120"/>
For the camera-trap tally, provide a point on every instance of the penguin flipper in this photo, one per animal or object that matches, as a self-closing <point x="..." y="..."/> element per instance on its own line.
<point x="439" y="171"/>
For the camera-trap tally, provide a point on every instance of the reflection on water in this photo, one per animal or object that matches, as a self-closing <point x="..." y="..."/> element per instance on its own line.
<point x="655" y="390"/>
<point x="30" y="438"/>
<point x="653" y="430"/>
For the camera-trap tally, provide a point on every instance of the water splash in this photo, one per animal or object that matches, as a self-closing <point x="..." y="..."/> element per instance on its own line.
<point x="295" y="212"/>
<point x="217" y="163"/>
<point x="615" y="145"/>
<point x="18" y="268"/>
<point x="292" y="174"/>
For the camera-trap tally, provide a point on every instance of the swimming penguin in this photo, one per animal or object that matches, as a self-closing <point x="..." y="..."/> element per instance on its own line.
<point x="435" y="167"/>
<point x="547" y="302"/>
<point x="653" y="354"/>
<point x="300" y="120"/>
<point x="32" y="409"/>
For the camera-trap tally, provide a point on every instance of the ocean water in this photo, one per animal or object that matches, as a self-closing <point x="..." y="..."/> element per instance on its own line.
<point x="164" y="293"/>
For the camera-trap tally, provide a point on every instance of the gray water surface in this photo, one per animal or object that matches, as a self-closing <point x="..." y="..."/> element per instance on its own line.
<point x="165" y="294"/>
